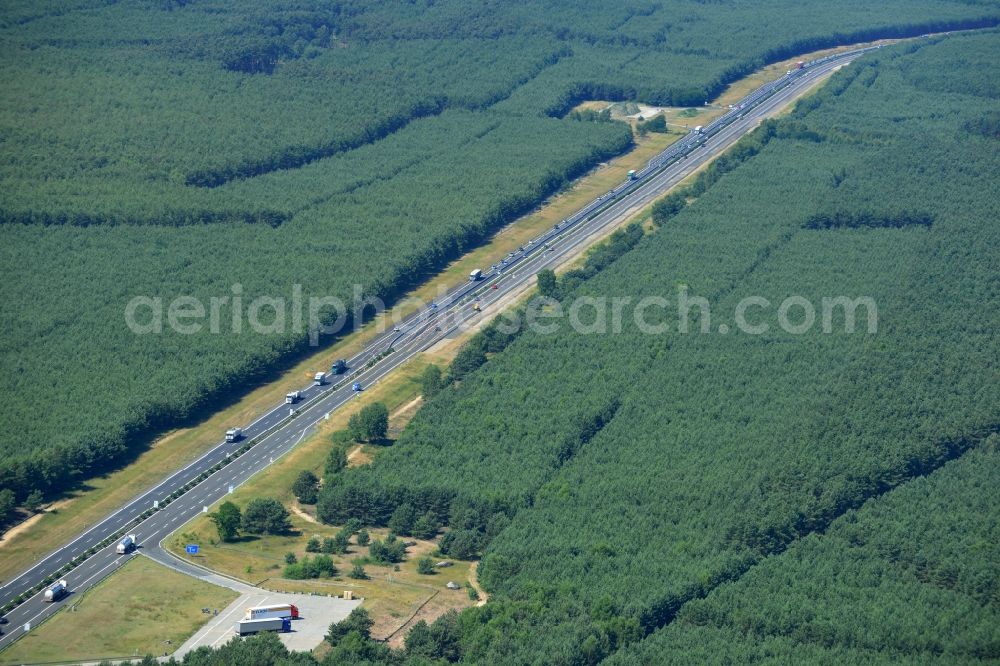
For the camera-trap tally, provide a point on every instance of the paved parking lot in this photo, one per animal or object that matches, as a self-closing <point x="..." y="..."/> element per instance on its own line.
<point x="316" y="615"/>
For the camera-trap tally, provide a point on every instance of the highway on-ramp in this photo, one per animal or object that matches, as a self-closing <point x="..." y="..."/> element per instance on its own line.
<point x="276" y="432"/>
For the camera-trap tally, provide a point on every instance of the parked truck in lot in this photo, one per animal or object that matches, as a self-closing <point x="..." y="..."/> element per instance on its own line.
<point x="57" y="591"/>
<point x="234" y="434"/>
<point x="290" y="611"/>
<point x="248" y="627"/>
<point x="125" y="545"/>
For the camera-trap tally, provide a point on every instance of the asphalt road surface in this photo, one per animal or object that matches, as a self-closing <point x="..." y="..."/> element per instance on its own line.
<point x="276" y="432"/>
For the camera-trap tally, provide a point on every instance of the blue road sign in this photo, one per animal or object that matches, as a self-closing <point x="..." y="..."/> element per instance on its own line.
<point x="192" y="549"/>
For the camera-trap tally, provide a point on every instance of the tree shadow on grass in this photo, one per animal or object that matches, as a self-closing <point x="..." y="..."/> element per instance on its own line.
<point x="249" y="538"/>
<point x="243" y="538"/>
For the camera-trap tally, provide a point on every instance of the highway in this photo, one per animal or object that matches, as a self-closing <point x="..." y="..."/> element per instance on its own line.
<point x="277" y="432"/>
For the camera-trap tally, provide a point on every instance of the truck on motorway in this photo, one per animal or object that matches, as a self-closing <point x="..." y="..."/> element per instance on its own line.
<point x="339" y="366"/>
<point x="247" y="627"/>
<point x="475" y="276"/>
<point x="293" y="397"/>
<point x="57" y="591"/>
<point x="290" y="611"/>
<point x="125" y="545"/>
<point x="697" y="129"/>
<point x="234" y="434"/>
<point x="631" y="174"/>
<point x="319" y="378"/>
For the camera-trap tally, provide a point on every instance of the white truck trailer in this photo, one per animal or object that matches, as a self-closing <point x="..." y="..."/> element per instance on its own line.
<point x="293" y="397"/>
<point x="319" y="378"/>
<point x="125" y="545"/>
<point x="290" y="611"/>
<point x="234" y="435"/>
<point x="248" y="627"/>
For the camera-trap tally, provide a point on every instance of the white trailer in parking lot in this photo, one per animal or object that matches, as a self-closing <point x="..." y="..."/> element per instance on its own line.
<point x="247" y="627"/>
<point x="291" y="611"/>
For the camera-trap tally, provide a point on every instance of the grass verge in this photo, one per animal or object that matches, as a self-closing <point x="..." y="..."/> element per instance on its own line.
<point x="135" y="611"/>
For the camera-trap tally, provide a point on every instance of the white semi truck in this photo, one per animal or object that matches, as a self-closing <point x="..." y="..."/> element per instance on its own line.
<point x="319" y="378"/>
<point x="125" y="545"/>
<point x="234" y="435"/>
<point x="293" y="397"/>
<point x="57" y="591"/>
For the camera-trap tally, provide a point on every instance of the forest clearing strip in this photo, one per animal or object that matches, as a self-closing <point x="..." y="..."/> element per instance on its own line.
<point x="296" y="157"/>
